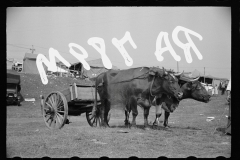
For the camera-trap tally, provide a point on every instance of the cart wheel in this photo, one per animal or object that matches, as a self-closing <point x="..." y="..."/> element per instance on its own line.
<point x="95" y="121"/>
<point x="55" y="110"/>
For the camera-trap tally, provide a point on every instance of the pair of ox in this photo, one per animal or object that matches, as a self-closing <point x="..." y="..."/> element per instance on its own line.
<point x="191" y="88"/>
<point x="126" y="89"/>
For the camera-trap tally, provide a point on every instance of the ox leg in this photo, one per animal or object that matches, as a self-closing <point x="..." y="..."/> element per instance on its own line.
<point x="133" y="107"/>
<point x="103" y="113"/>
<point x="127" y="123"/>
<point x="158" y="114"/>
<point x="166" y="115"/>
<point x="107" y="109"/>
<point x="146" y="113"/>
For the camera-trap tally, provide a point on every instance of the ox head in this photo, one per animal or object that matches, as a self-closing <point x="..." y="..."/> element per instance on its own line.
<point x="196" y="90"/>
<point x="166" y="82"/>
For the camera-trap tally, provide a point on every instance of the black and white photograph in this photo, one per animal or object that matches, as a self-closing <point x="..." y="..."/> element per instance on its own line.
<point x="118" y="82"/>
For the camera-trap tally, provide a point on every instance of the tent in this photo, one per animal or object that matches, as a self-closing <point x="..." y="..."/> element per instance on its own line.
<point x="96" y="67"/>
<point x="29" y="64"/>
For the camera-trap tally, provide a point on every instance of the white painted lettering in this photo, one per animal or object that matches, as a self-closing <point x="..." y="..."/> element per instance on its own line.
<point x="106" y="61"/>
<point x="119" y="45"/>
<point x="186" y="47"/>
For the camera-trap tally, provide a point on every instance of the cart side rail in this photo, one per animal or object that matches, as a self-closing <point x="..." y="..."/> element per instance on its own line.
<point x="82" y="92"/>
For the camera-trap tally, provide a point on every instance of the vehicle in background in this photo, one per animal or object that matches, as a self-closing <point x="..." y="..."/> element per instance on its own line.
<point x="17" y="67"/>
<point x="13" y="89"/>
<point x="13" y="96"/>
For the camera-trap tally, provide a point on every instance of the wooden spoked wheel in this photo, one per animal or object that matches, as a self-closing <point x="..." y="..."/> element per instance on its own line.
<point x="55" y="110"/>
<point x="95" y="120"/>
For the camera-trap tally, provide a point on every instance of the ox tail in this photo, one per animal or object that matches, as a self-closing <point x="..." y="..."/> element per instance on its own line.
<point x="95" y="100"/>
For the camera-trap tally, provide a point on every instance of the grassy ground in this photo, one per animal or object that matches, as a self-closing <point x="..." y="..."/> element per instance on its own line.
<point x="189" y="135"/>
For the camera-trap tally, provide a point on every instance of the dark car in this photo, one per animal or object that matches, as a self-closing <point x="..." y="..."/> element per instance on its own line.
<point x="13" y="96"/>
<point x="13" y="89"/>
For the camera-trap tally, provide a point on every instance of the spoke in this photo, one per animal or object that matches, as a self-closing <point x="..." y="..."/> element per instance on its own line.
<point x="99" y="121"/>
<point x="50" y="122"/>
<point x="91" y="118"/>
<point x="53" y="100"/>
<point x="50" y="100"/>
<point x="96" y="121"/>
<point x="48" y="118"/>
<point x="47" y="114"/>
<point x="60" y="115"/>
<point x="60" y="111"/>
<point x="60" y="104"/>
<point x="48" y="104"/>
<point x="59" y="120"/>
<point x="93" y="121"/>
<point x="59" y="100"/>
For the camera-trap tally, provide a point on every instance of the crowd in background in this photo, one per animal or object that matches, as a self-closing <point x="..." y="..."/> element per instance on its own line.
<point x="215" y="89"/>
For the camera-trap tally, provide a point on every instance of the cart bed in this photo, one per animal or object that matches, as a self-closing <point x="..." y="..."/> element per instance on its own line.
<point x="77" y="92"/>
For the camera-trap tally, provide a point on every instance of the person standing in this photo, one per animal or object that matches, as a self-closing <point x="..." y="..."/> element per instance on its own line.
<point x="228" y="128"/>
<point x="216" y="89"/>
<point x="223" y="87"/>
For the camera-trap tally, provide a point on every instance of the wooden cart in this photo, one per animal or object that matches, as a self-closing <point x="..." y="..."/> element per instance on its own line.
<point x="75" y="100"/>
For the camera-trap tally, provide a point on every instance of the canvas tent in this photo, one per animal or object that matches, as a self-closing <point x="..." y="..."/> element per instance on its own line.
<point x="29" y="64"/>
<point x="96" y="67"/>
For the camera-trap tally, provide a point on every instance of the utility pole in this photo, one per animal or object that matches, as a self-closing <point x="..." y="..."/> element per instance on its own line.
<point x="177" y="67"/>
<point x="204" y="74"/>
<point x="32" y="49"/>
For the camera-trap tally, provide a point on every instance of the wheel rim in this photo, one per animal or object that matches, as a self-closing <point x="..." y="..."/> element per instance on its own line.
<point x="55" y="110"/>
<point x="95" y="120"/>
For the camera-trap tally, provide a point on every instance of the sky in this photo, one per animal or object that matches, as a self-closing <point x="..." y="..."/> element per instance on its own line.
<point x="43" y="28"/>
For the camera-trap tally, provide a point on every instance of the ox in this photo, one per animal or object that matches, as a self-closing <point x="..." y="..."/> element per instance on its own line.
<point x="126" y="89"/>
<point x="192" y="89"/>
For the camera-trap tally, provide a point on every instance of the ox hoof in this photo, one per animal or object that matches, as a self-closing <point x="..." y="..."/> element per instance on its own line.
<point x="166" y="126"/>
<point x="133" y="126"/>
<point x="147" y="128"/>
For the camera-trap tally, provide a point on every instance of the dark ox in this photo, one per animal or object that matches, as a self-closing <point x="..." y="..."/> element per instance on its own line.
<point x="192" y="89"/>
<point x="126" y="89"/>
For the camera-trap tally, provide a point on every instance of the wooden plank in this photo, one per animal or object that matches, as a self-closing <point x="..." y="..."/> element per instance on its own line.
<point x="71" y="92"/>
<point x="75" y="89"/>
<point x="86" y="93"/>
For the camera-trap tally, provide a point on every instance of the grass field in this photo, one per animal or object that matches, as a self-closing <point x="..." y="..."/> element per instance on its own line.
<point x="189" y="135"/>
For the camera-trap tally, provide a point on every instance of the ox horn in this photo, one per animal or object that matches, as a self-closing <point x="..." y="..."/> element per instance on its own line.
<point x="164" y="71"/>
<point x="178" y="74"/>
<point x="192" y="80"/>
